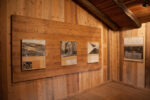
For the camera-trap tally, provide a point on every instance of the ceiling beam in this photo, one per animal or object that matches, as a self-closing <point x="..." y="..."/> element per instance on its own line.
<point x="128" y="12"/>
<point x="130" y="3"/>
<point x="98" y="14"/>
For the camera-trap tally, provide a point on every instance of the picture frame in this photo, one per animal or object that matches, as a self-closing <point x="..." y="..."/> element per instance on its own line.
<point x="33" y="54"/>
<point x="134" y="49"/>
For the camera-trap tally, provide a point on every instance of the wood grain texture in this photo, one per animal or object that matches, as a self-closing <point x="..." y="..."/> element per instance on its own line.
<point x="52" y="88"/>
<point x="115" y="13"/>
<point x="133" y="72"/>
<point x="142" y="13"/>
<point x="30" y="28"/>
<point x="89" y="79"/>
<point x="4" y="59"/>
<point x="84" y="18"/>
<point x="113" y="91"/>
<point x="57" y="10"/>
<point x="114" y="49"/>
<point x="105" y="56"/>
<point x="129" y="13"/>
<point x="147" y="56"/>
<point x="72" y="84"/>
<point x="97" y="13"/>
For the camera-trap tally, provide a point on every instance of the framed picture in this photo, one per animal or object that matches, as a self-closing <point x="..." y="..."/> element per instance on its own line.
<point x="68" y="53"/>
<point x="93" y="52"/>
<point x="134" y="49"/>
<point x="33" y="54"/>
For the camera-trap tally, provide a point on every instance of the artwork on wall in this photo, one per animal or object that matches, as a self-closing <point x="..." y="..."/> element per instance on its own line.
<point x="55" y="33"/>
<point x="93" y="52"/>
<point x="33" y="54"/>
<point x="68" y="53"/>
<point x="133" y="52"/>
<point x="133" y="48"/>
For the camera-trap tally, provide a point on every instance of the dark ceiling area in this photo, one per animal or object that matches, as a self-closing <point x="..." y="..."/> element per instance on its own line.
<point x="118" y="14"/>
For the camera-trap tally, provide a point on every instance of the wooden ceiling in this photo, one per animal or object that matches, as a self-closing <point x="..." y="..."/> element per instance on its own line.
<point x="142" y="13"/>
<point x="118" y="14"/>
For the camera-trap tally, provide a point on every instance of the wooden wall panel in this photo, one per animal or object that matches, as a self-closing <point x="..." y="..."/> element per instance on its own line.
<point x="62" y="86"/>
<point x="72" y="84"/>
<point x="43" y="89"/>
<point x="0" y="50"/>
<point x="70" y="12"/>
<point x="4" y="60"/>
<point x="22" y="91"/>
<point x="104" y="38"/>
<point x="133" y="72"/>
<point x="147" y="56"/>
<point x="86" y="80"/>
<point x="114" y="49"/>
<point x="31" y="28"/>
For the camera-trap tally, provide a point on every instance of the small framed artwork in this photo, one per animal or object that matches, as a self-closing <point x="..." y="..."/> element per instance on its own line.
<point x="33" y="54"/>
<point x="134" y="49"/>
<point x="93" y="52"/>
<point x="68" y="53"/>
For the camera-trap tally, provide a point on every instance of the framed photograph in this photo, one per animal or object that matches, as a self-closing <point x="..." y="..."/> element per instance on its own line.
<point x="68" y="53"/>
<point x="93" y="52"/>
<point x="133" y="52"/>
<point x="134" y="49"/>
<point x="33" y="54"/>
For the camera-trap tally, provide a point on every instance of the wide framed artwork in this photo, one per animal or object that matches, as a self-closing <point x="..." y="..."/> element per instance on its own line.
<point x="134" y="49"/>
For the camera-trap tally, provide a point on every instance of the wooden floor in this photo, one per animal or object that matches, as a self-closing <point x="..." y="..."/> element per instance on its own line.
<point x="113" y="91"/>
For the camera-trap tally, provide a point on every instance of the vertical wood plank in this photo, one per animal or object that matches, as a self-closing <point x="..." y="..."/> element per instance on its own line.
<point x="44" y="89"/>
<point x="22" y="91"/>
<point x="72" y="84"/>
<point x="4" y="59"/>
<point x="114" y="55"/>
<point x="104" y="52"/>
<point x="84" y="81"/>
<point x="95" y="78"/>
<point x="140" y="75"/>
<point x="147" y="52"/>
<point x="70" y="12"/>
<point x="84" y="18"/>
<point x="57" y="10"/>
<point x="60" y="87"/>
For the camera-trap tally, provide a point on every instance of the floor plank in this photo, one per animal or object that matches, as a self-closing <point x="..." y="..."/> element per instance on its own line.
<point x="113" y="91"/>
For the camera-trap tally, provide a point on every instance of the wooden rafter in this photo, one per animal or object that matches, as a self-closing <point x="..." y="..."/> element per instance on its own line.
<point x="129" y="13"/>
<point x="98" y="14"/>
